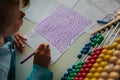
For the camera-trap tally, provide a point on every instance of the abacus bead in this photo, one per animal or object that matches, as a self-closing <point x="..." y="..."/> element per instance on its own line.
<point x="86" y="79"/>
<point x="92" y="61"/>
<point x="81" y="63"/>
<point x="99" y="60"/>
<point x="82" y="70"/>
<point x="76" y="78"/>
<point x="97" y="52"/>
<point x="79" y="56"/>
<point x="85" y="66"/>
<point x="100" y="49"/>
<point x="89" y="75"/>
<point x="84" y="74"/>
<point x="79" y="74"/>
<point x="89" y="65"/>
<point x="117" y="40"/>
<point x="88" y="44"/>
<point x="73" y="66"/>
<point x="69" y="70"/>
<point x="103" y="64"/>
<point x="93" y="44"/>
<point x="89" y="52"/>
<point x="104" y="51"/>
<point x="73" y="74"/>
<point x="87" y="70"/>
<point x="110" y="52"/>
<point x="65" y="74"/>
<point x="107" y="57"/>
<point x="96" y="75"/>
<point x="64" y="78"/>
<point x="108" y="47"/>
<point x="92" y="70"/>
<point x="99" y="69"/>
<point x="91" y="39"/>
<point x="95" y="65"/>
<point x="101" y="56"/>
<point x="114" y="45"/>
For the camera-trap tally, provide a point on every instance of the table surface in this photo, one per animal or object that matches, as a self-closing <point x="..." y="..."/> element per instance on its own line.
<point x="61" y="65"/>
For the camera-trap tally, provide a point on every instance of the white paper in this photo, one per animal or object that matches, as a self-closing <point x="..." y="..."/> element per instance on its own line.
<point x="40" y="9"/>
<point x="34" y="39"/>
<point x="110" y="6"/>
<point x="69" y="3"/>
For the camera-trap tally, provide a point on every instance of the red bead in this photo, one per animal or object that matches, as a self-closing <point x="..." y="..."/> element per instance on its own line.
<point x="76" y="78"/>
<point x="100" y="48"/>
<point x="97" y="52"/>
<point x="79" y="74"/>
<point x="82" y="70"/>
<point x="92" y="61"/>
<point x="85" y="66"/>
<point x="95" y="57"/>
<point x="81" y="78"/>
<point x="87" y="62"/>
<point x="89" y="65"/>
<point x="84" y="74"/>
<point x="87" y="70"/>
<point x="90" y="57"/>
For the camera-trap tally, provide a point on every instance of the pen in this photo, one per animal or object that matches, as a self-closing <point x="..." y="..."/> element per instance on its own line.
<point x="27" y="58"/>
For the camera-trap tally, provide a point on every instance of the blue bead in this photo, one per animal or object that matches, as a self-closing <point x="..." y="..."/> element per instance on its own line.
<point x="63" y="78"/>
<point x="73" y="66"/>
<point x="79" y="56"/>
<point x="69" y="70"/>
<point x="82" y="51"/>
<point x="88" y="44"/>
<point x="65" y="74"/>
<point x="87" y="48"/>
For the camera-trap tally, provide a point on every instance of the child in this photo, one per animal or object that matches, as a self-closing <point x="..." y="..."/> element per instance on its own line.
<point x="10" y="22"/>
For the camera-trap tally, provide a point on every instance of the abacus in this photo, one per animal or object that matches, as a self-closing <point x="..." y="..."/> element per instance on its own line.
<point x="100" y="58"/>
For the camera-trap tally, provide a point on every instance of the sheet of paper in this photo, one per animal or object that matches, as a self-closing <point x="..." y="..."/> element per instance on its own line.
<point x="40" y="9"/>
<point x="69" y="3"/>
<point x="61" y="28"/>
<point x="110" y="6"/>
<point x="87" y="9"/>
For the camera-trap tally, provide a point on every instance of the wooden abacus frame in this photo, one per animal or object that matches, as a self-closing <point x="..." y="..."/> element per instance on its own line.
<point x="107" y="25"/>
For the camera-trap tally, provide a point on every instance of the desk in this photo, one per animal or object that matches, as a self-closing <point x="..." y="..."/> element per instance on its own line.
<point x="60" y="67"/>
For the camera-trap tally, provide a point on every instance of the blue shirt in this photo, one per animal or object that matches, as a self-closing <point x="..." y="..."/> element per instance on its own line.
<point x="37" y="72"/>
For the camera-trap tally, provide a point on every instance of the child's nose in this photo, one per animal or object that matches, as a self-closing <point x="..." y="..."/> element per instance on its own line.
<point x="22" y="14"/>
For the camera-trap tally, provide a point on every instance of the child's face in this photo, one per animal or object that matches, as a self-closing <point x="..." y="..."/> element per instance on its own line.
<point x="17" y="19"/>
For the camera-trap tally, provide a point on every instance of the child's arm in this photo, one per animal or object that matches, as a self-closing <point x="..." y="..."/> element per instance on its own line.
<point x="41" y="62"/>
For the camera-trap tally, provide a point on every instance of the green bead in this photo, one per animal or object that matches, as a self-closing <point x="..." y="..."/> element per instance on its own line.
<point x="89" y="53"/>
<point x="97" y="35"/>
<point x="80" y="63"/>
<point x="73" y="74"/>
<point x="93" y="44"/>
<point x="76" y="70"/>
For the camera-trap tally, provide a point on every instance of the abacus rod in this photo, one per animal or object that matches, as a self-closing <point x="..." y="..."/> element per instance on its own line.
<point x="115" y="35"/>
<point x="111" y="34"/>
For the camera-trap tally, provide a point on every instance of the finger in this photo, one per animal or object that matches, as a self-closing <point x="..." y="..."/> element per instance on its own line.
<point x="22" y="37"/>
<point x="16" y="42"/>
<point x="21" y="44"/>
<point x="40" y="48"/>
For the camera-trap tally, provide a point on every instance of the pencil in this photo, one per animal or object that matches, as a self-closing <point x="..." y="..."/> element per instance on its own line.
<point x="24" y="60"/>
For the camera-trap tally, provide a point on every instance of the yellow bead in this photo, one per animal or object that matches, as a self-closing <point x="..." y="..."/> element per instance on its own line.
<point x="93" y="79"/>
<point x="86" y="79"/>
<point x="99" y="60"/>
<point x="110" y="52"/>
<point x="107" y="57"/>
<point x="92" y="70"/>
<point x="99" y="69"/>
<point x="114" y="45"/>
<point x="104" y="51"/>
<point x="101" y="55"/>
<point x="96" y="75"/>
<point x="89" y="75"/>
<point x="96" y="65"/>
<point x="117" y="40"/>
<point x="108" y="47"/>
<point x="103" y="64"/>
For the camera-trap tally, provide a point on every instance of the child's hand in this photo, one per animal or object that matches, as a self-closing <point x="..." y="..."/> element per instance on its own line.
<point x="19" y="41"/>
<point x="42" y="55"/>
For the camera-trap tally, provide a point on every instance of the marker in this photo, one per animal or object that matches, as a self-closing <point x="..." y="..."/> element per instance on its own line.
<point x="27" y="58"/>
<point x="103" y="22"/>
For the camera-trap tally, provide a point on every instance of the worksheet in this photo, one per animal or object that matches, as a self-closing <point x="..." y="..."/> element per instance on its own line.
<point x="60" y="29"/>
